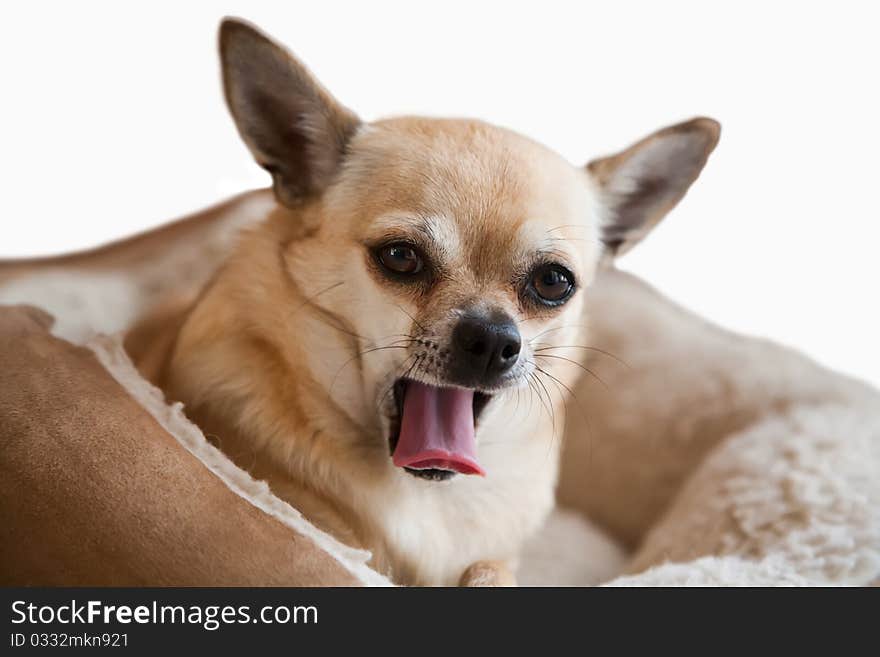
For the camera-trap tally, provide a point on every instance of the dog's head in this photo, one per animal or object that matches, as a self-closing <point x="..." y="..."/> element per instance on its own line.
<point x="450" y="257"/>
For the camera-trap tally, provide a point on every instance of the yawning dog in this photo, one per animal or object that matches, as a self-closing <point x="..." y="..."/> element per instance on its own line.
<point x="391" y="346"/>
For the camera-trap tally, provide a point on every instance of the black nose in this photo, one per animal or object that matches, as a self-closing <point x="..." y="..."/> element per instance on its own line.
<point x="484" y="348"/>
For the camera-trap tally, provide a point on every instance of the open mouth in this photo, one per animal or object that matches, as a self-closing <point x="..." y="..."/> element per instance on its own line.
<point x="434" y="433"/>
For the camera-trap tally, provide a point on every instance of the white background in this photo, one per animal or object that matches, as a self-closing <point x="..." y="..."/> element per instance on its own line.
<point x="113" y="121"/>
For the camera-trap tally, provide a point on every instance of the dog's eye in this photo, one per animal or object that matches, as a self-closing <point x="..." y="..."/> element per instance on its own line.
<point x="401" y="258"/>
<point x="553" y="284"/>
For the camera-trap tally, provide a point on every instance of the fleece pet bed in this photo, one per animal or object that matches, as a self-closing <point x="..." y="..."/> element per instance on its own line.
<point x="692" y="456"/>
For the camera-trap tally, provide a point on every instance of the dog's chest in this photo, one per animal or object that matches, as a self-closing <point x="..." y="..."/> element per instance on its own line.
<point x="428" y="533"/>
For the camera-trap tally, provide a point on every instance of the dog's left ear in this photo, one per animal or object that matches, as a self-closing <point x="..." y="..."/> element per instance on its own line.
<point x="640" y="185"/>
<point x="295" y="129"/>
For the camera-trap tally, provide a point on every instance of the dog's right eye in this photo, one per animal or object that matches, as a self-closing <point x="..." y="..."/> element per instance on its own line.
<point x="401" y="258"/>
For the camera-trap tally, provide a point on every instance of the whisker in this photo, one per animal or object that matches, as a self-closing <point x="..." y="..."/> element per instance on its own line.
<point x="326" y="322"/>
<point x="580" y="407"/>
<point x="415" y="321"/>
<point x="549" y="408"/>
<point x="534" y="390"/>
<point x="574" y="362"/>
<point x="558" y="382"/>
<point x="311" y="298"/>
<point x="557" y="328"/>
<point x="585" y="347"/>
<point x="390" y="346"/>
<point x="309" y="301"/>
<point x="415" y="362"/>
<point x="555" y="432"/>
<point x="357" y="355"/>
<point x="554" y="437"/>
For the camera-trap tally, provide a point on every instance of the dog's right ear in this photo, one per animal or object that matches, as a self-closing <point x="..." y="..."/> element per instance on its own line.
<point x="295" y="129"/>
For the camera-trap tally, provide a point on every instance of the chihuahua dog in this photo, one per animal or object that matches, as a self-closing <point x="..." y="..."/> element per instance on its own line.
<point x="390" y="346"/>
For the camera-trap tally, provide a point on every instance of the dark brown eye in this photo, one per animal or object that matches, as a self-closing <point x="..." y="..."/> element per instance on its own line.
<point x="401" y="259"/>
<point x="552" y="284"/>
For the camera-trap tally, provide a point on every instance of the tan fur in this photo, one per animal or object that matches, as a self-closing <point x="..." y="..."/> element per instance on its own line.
<point x="264" y="360"/>
<point x="488" y="573"/>
<point x="287" y="357"/>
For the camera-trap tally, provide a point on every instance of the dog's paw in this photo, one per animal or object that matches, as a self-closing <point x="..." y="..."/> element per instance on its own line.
<point x="487" y="573"/>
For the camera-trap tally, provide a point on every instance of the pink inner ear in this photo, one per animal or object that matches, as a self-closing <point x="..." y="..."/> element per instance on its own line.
<point x="642" y="183"/>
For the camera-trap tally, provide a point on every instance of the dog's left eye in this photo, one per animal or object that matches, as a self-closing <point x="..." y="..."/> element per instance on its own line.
<point x="552" y="284"/>
<point x="401" y="258"/>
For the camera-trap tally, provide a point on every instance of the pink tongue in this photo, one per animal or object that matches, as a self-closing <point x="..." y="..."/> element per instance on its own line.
<point x="437" y="430"/>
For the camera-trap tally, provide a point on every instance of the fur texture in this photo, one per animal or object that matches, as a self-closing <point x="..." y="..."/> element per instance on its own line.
<point x="290" y="354"/>
<point x="716" y="458"/>
<point x="702" y="443"/>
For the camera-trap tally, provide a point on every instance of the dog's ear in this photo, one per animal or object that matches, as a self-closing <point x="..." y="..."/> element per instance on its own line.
<point x="639" y="185"/>
<point x="295" y="129"/>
